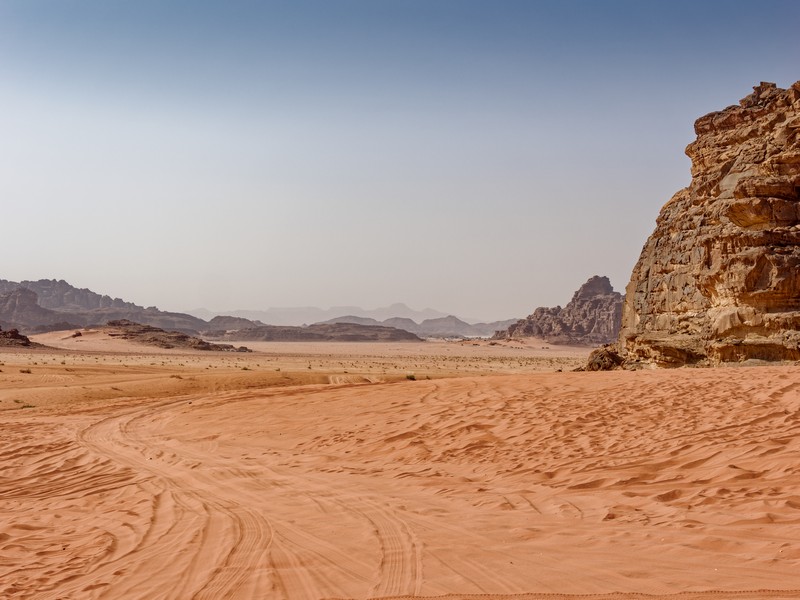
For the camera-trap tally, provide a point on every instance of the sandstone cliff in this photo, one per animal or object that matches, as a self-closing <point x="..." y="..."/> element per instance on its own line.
<point x="719" y="278"/>
<point x="19" y="309"/>
<point x="592" y="317"/>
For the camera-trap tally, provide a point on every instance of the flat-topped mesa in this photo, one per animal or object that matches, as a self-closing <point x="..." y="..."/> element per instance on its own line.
<point x="719" y="278"/>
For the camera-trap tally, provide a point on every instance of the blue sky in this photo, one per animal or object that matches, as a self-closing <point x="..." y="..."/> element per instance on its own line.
<point x="481" y="158"/>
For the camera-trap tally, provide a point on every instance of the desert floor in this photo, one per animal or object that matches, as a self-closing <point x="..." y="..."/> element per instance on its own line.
<point x="396" y="470"/>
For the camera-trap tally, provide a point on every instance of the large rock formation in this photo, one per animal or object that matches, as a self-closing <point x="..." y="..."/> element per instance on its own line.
<point x="20" y="308"/>
<point x="65" y="307"/>
<point x="60" y="295"/>
<point x="591" y="318"/>
<point x="719" y="278"/>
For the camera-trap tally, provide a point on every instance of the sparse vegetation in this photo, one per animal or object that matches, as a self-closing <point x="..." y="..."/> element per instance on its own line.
<point x="25" y="371"/>
<point x="411" y="377"/>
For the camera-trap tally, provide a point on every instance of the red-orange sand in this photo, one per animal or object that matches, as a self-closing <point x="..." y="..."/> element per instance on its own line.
<point x="258" y="483"/>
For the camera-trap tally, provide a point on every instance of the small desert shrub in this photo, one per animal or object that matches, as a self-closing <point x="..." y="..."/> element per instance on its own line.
<point x="24" y="370"/>
<point x="411" y="377"/>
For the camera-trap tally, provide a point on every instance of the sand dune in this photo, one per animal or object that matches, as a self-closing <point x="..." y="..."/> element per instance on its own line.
<point x="542" y="485"/>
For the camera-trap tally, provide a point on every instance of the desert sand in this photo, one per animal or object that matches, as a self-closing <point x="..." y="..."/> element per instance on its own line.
<point x="388" y="471"/>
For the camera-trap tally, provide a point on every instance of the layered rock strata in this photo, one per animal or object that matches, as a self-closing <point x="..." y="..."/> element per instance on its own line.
<point x="592" y="317"/>
<point x="719" y="278"/>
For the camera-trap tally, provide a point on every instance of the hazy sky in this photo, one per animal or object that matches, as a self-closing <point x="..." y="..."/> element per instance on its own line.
<point x="481" y="158"/>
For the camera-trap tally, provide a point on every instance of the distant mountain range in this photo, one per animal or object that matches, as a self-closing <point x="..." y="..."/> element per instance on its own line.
<point x="49" y="305"/>
<point x="448" y="326"/>
<point x="318" y="332"/>
<point x="305" y="315"/>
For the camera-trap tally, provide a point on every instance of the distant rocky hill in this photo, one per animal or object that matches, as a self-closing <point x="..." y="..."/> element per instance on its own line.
<point x="442" y="327"/>
<point x="309" y="314"/>
<point x="719" y="278"/>
<point x="22" y="308"/>
<point x="226" y="323"/>
<point x="591" y="318"/>
<point x="320" y="332"/>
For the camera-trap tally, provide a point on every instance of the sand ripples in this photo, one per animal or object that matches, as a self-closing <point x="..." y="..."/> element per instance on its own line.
<point x="604" y="485"/>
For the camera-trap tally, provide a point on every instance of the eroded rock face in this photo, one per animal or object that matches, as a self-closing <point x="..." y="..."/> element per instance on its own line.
<point x="592" y="317"/>
<point x="719" y="278"/>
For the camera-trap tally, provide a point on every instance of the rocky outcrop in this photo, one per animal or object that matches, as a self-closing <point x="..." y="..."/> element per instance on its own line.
<point x="12" y="338"/>
<point x="591" y="318"/>
<point x="154" y="336"/>
<point x="719" y="278"/>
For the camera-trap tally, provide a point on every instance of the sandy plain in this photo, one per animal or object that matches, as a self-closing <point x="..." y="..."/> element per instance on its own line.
<point x="396" y="470"/>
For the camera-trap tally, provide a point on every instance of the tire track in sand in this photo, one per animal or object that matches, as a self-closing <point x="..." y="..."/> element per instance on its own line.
<point x="221" y="545"/>
<point x="235" y="549"/>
